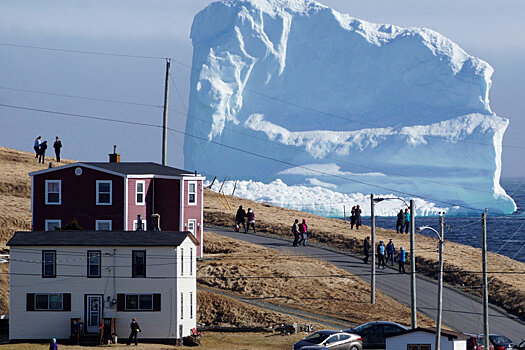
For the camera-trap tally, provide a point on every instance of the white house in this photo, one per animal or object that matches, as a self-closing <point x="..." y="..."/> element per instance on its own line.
<point x="425" y="339"/>
<point x="60" y="275"/>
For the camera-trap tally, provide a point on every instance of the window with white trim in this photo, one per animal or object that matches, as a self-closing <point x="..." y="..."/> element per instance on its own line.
<point x="48" y="302"/>
<point x="49" y="263"/>
<point x="103" y="225"/>
<point x="94" y="267"/>
<point x="53" y="192"/>
<point x="144" y="225"/>
<point x="191" y="261"/>
<point x="53" y="225"/>
<point x="191" y="225"/>
<point x="104" y="192"/>
<point x="192" y="192"/>
<point x="181" y="305"/>
<point x="140" y="190"/>
<point x="182" y="261"/>
<point x="191" y="304"/>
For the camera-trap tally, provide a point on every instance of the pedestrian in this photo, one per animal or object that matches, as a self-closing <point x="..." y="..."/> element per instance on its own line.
<point x="42" y="152"/>
<point x="239" y="219"/>
<point x="57" y="146"/>
<point x="357" y="217"/>
<point x="366" y="249"/>
<point x="407" y="220"/>
<point x="352" y="218"/>
<point x="400" y="223"/>
<point x="36" y="146"/>
<point x="77" y="331"/>
<point x="401" y="258"/>
<point x="135" y="329"/>
<point x="53" y="345"/>
<point x="381" y="250"/>
<point x="295" y="231"/>
<point x="390" y="251"/>
<point x="251" y="220"/>
<point x="303" y="230"/>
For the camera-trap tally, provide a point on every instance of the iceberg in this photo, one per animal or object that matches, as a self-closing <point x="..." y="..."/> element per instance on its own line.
<point x="296" y="91"/>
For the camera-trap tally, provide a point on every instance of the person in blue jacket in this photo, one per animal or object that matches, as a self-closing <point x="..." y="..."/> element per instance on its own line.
<point x="407" y="220"/>
<point x="381" y="251"/>
<point x="401" y="259"/>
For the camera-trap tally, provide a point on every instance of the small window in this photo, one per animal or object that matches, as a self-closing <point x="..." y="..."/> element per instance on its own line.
<point x="182" y="261"/>
<point x="192" y="192"/>
<point x="94" y="263"/>
<point x="344" y="336"/>
<point x="181" y="306"/>
<point x="418" y="347"/>
<point x="54" y="192"/>
<point x="144" y="225"/>
<point x="52" y="302"/>
<point x="140" y="187"/>
<point x="53" y="225"/>
<point x="139" y="264"/>
<point x="191" y="261"/>
<point x="139" y="302"/>
<point x="104" y="188"/>
<point x="191" y="226"/>
<point x="191" y="304"/>
<point x="103" y="225"/>
<point x="48" y="263"/>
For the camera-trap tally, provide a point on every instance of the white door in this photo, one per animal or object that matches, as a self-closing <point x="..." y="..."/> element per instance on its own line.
<point x="191" y="226"/>
<point x="93" y="313"/>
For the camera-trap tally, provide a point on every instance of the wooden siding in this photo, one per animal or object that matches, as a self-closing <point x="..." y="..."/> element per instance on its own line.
<point x="167" y="203"/>
<point x="134" y="209"/>
<point x="194" y="211"/>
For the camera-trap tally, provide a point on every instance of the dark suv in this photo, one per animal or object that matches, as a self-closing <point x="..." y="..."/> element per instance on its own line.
<point x="500" y="342"/>
<point x="374" y="333"/>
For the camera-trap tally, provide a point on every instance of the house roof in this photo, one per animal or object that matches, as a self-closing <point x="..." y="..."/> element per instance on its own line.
<point x="100" y="238"/>
<point x="126" y="168"/>
<point x="445" y="333"/>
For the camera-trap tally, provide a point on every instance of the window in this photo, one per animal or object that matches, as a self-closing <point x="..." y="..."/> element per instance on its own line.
<point x="48" y="263"/>
<point x="191" y="261"/>
<point x="138" y="302"/>
<point x="418" y="347"/>
<point x="103" y="192"/>
<point x="140" y="187"/>
<point x="139" y="263"/>
<point x="93" y="263"/>
<point x="144" y="225"/>
<point x="192" y="192"/>
<point x="54" y="192"/>
<point x="103" y="225"/>
<point x="191" y="304"/>
<point x="48" y="302"/>
<point x="191" y="226"/>
<point x="181" y="261"/>
<point x="181" y="306"/>
<point x="53" y="225"/>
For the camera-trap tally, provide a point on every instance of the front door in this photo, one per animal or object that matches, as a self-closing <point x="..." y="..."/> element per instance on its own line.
<point x="93" y="314"/>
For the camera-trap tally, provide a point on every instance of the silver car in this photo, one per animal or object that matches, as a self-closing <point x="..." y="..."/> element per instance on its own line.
<point x="330" y="339"/>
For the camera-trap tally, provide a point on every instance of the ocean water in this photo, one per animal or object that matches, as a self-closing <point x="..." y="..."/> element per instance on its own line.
<point x="505" y="234"/>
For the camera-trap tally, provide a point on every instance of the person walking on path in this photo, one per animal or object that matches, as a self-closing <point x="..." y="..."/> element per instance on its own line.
<point x="135" y="329"/>
<point x="407" y="220"/>
<point x="42" y="154"/>
<point x="57" y="146"/>
<point x="390" y="251"/>
<point x="36" y="146"/>
<point x="400" y="223"/>
<point x="366" y="249"/>
<point x="402" y="257"/>
<point x="303" y="230"/>
<point x="53" y="345"/>
<point x="381" y="250"/>
<point x="251" y="220"/>
<point x="295" y="231"/>
<point x="357" y="217"/>
<point x="239" y="219"/>
<point x="352" y="218"/>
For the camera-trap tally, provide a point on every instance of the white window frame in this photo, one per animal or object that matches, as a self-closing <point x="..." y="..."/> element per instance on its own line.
<point x="191" y="305"/>
<point x="98" y="222"/>
<point x="194" y="222"/>
<point x="191" y="261"/>
<point x="194" y="193"/>
<point x="48" y="295"/>
<point x="144" y="225"/>
<point x="110" y="182"/>
<point x="52" y="221"/>
<point x="181" y="305"/>
<point x="182" y="261"/>
<point x="138" y="301"/>
<point x="143" y="192"/>
<point x="59" y="192"/>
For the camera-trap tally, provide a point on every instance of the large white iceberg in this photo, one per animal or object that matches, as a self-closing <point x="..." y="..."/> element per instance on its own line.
<point x="302" y="93"/>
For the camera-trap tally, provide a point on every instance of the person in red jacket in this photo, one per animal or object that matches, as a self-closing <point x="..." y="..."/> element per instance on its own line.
<point x="303" y="229"/>
<point x="251" y="220"/>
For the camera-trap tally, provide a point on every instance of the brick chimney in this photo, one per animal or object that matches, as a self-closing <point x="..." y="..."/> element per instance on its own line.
<point x="114" y="158"/>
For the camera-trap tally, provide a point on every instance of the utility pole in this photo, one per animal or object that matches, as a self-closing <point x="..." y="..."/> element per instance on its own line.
<point x="440" y="281"/>
<point x="373" y="244"/>
<point x="165" y="116"/>
<point x="485" y="284"/>
<point x="413" y="266"/>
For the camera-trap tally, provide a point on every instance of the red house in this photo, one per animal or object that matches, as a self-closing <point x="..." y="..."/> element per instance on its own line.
<point x="110" y="196"/>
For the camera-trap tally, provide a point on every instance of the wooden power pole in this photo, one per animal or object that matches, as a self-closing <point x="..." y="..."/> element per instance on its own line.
<point x="165" y="116"/>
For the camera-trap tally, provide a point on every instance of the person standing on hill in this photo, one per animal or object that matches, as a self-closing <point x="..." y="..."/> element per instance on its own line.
<point x="400" y="223"/>
<point x="251" y="220"/>
<point x="381" y="250"/>
<point x="295" y="231"/>
<point x="42" y="154"/>
<point x="407" y="220"/>
<point x="239" y="219"/>
<point x="357" y="217"/>
<point x="352" y="218"/>
<point x="53" y="345"/>
<point x="366" y="249"/>
<point x="36" y="146"/>
<point x="303" y="230"/>
<point x="390" y="251"/>
<point x="402" y="257"/>
<point x="135" y="329"/>
<point x="57" y="146"/>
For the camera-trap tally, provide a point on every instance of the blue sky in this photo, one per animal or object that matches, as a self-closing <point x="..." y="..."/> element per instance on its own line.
<point x="486" y="29"/>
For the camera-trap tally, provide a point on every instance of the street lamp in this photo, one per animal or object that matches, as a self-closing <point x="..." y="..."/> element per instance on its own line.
<point x="440" y="276"/>
<point x="411" y="206"/>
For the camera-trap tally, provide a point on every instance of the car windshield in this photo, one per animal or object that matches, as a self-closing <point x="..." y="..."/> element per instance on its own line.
<point x="499" y="340"/>
<point x="479" y="341"/>
<point x="316" y="338"/>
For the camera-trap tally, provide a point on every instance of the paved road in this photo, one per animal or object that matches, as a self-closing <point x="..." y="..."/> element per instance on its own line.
<point x="459" y="311"/>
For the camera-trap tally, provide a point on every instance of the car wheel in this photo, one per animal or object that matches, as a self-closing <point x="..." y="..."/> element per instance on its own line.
<point x="354" y="348"/>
